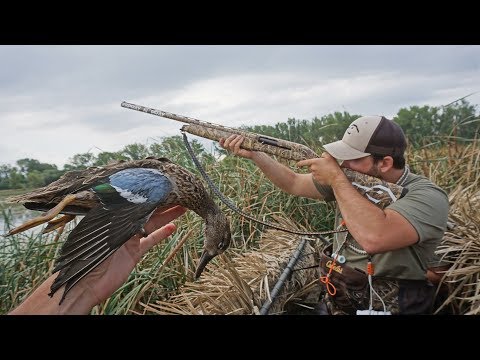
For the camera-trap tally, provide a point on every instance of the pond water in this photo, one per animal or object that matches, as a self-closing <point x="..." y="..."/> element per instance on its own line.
<point x="12" y="216"/>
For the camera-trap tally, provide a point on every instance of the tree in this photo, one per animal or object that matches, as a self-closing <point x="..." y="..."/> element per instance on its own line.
<point x="134" y="151"/>
<point x="106" y="157"/>
<point x="16" y="179"/>
<point x="28" y="165"/>
<point x="461" y="119"/>
<point x="428" y="123"/>
<point x="80" y="161"/>
<point x="173" y="148"/>
<point x="5" y="176"/>
<point x="35" y="179"/>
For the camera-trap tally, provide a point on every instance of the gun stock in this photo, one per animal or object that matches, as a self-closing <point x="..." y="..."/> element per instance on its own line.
<point x="376" y="190"/>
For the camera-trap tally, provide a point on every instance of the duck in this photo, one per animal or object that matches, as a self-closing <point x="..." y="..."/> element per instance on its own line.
<point x="116" y="201"/>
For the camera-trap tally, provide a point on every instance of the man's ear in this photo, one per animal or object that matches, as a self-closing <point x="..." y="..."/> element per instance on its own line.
<point x="386" y="164"/>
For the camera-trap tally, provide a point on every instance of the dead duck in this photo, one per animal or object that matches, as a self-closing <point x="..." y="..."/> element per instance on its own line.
<point x="117" y="200"/>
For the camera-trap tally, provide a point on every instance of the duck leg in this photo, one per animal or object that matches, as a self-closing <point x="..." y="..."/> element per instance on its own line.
<point x="50" y="214"/>
<point x="56" y="223"/>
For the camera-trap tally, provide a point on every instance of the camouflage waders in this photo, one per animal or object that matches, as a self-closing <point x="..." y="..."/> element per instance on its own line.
<point x="353" y="291"/>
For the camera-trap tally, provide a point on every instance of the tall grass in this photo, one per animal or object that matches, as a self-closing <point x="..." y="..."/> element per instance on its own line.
<point x="25" y="262"/>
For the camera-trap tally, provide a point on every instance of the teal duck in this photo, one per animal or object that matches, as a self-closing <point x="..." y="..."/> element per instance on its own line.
<point x="117" y="200"/>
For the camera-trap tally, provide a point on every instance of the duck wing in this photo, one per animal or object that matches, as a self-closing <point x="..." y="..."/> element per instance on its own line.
<point x="97" y="236"/>
<point x="128" y="198"/>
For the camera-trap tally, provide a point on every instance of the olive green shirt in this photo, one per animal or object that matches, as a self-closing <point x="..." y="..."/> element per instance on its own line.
<point x="425" y="206"/>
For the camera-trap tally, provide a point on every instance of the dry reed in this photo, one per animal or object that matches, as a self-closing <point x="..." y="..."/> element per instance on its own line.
<point x="456" y="168"/>
<point x="240" y="283"/>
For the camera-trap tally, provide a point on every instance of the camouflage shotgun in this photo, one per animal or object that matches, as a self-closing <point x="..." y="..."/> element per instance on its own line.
<point x="378" y="191"/>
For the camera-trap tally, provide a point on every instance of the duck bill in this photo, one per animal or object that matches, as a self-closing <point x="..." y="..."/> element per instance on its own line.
<point x="204" y="260"/>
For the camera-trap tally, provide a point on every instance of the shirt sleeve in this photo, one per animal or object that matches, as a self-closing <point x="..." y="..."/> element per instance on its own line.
<point x="426" y="208"/>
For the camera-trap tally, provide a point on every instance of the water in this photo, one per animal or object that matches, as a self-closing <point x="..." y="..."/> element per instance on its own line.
<point x="15" y="215"/>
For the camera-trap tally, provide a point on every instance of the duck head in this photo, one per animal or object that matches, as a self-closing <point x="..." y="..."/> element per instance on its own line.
<point x="217" y="239"/>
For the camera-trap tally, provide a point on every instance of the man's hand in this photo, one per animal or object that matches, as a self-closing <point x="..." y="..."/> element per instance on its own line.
<point x="324" y="169"/>
<point x="103" y="281"/>
<point x="232" y="144"/>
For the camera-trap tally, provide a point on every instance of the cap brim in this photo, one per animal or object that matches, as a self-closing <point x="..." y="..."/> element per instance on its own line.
<point x="342" y="151"/>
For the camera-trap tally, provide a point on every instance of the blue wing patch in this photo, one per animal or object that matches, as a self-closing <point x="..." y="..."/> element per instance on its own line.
<point x="139" y="185"/>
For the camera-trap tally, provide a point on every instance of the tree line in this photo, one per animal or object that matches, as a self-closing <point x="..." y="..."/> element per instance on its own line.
<point x="424" y="125"/>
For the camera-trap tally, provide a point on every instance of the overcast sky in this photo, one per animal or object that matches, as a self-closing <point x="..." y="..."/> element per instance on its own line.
<point x="58" y="101"/>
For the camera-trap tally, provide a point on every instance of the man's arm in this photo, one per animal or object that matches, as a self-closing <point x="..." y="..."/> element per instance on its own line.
<point x="376" y="230"/>
<point x="78" y="301"/>
<point x="285" y="178"/>
<point x="279" y="174"/>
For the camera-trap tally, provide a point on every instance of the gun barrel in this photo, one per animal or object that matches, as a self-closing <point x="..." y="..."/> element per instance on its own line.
<point x="161" y="113"/>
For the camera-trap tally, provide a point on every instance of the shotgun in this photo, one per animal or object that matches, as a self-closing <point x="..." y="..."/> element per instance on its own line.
<point x="378" y="191"/>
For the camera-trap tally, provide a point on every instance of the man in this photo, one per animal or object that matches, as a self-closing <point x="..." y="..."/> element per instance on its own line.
<point x="396" y="242"/>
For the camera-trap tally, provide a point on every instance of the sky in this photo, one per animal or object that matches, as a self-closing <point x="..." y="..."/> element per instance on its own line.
<point x="60" y="100"/>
